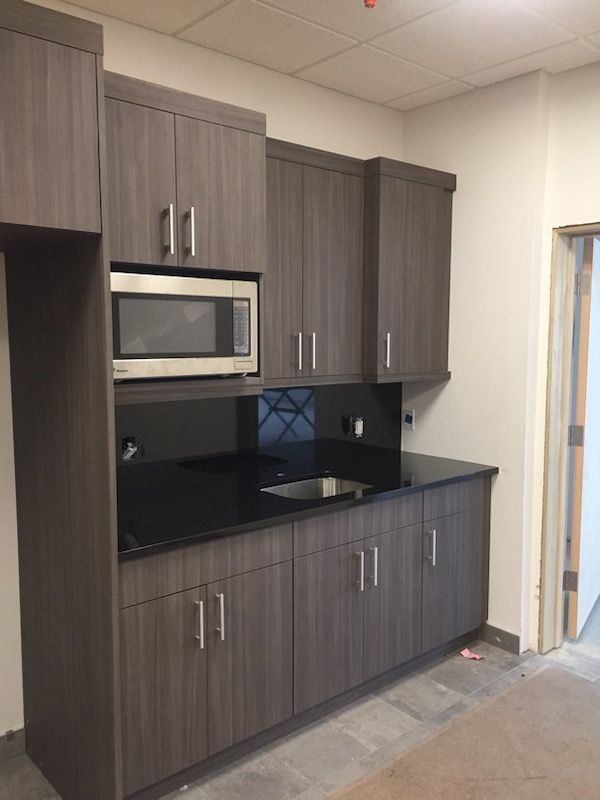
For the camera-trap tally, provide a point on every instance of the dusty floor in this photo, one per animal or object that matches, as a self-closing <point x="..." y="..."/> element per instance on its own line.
<point x="348" y="744"/>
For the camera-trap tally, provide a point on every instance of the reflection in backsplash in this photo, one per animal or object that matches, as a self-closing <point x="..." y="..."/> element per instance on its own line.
<point x="199" y="428"/>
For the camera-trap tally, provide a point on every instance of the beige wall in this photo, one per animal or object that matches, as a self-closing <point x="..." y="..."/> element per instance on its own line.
<point x="11" y="705"/>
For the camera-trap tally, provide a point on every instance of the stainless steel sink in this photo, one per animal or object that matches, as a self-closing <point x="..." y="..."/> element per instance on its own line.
<point x="317" y="488"/>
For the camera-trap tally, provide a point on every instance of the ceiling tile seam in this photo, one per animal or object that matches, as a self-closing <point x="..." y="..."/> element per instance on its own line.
<point x="464" y="76"/>
<point x="510" y="60"/>
<point x="468" y="87"/>
<point x="591" y="44"/>
<point x="269" y="4"/>
<point x="353" y="96"/>
<point x="196" y="20"/>
<point x="403" y="60"/>
<point x="549" y="18"/>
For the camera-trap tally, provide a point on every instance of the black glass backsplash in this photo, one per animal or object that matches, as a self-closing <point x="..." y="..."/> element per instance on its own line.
<point x="247" y="424"/>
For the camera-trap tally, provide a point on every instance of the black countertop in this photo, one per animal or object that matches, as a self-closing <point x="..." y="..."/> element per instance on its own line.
<point x="165" y="502"/>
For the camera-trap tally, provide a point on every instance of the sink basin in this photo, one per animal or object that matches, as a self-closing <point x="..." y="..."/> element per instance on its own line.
<point x="317" y="488"/>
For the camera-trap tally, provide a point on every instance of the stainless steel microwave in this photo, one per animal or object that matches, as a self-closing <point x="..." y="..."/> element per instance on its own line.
<point x="166" y="326"/>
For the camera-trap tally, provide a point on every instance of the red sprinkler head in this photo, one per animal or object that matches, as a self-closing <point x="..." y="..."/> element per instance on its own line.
<point x="370" y="3"/>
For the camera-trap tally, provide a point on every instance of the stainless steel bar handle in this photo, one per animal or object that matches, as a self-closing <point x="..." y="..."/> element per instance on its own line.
<point x="200" y="635"/>
<point x="361" y="579"/>
<point x="192" y="231"/>
<point x="300" y="352"/>
<point x="221" y="629"/>
<point x="388" y="349"/>
<point x="375" y="551"/>
<point x="314" y="350"/>
<point x="433" y="547"/>
<point x="171" y="213"/>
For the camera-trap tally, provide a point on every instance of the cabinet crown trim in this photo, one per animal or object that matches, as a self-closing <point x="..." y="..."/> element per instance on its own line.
<point x="53" y="26"/>
<point x="132" y="90"/>
<point x="312" y="157"/>
<point x="410" y="172"/>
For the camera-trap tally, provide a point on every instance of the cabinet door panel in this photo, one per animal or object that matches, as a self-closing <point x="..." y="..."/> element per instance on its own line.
<point x="48" y="135"/>
<point x="392" y="633"/>
<point x="453" y="580"/>
<point x="282" y="312"/>
<point x="332" y="274"/>
<point x="414" y="276"/>
<point x="140" y="145"/>
<point x="163" y="688"/>
<point x="221" y="173"/>
<point x="328" y="625"/>
<point x="250" y="671"/>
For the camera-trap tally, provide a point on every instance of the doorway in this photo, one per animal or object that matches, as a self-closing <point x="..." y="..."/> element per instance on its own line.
<point x="570" y="584"/>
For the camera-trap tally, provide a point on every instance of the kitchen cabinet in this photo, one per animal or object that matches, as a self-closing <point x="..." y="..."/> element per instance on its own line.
<point x="186" y="179"/>
<point x="313" y="289"/>
<point x="249" y="654"/>
<point x="392" y="600"/>
<point x="140" y="146"/>
<point x="328" y="636"/>
<point x="408" y="217"/>
<point x="48" y="131"/>
<point x="220" y="196"/>
<point x="453" y="572"/>
<point x="332" y="272"/>
<point x="282" y="315"/>
<point x="164" y="673"/>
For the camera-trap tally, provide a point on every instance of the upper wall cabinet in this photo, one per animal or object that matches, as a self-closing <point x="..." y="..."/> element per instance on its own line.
<point x="49" y="173"/>
<point x="408" y="218"/>
<point x="313" y="289"/>
<point x="186" y="179"/>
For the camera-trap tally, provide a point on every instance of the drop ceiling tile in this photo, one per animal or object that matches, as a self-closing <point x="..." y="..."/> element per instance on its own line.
<point x="580" y="16"/>
<point x="556" y="59"/>
<point x="351" y="18"/>
<point x="595" y="39"/>
<point x="370" y="74"/>
<point x="154" y="14"/>
<point x="431" y="95"/>
<point x="261" y="34"/>
<point x="472" y="35"/>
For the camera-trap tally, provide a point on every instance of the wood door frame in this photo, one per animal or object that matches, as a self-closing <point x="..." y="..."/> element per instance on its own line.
<point x="558" y="419"/>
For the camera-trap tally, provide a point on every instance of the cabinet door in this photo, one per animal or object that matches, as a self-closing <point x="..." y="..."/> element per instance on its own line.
<point x="163" y="688"/>
<point x="332" y="275"/>
<point x="414" y="277"/>
<point x="48" y="135"/>
<point x="392" y="612"/>
<point x="282" y="311"/>
<point x="140" y="145"/>
<point x="250" y="654"/>
<point x="328" y="625"/>
<point x="452" y="576"/>
<point x="221" y="177"/>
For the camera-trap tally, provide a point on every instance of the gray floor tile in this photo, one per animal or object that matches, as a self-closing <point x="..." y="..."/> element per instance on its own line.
<point x="319" y="751"/>
<point x="20" y="779"/>
<point x="464" y="675"/>
<point x="15" y="746"/>
<point x="574" y="658"/>
<point x="498" y="656"/>
<point x="420" y="696"/>
<point x="259" y="778"/>
<point x="373" y="721"/>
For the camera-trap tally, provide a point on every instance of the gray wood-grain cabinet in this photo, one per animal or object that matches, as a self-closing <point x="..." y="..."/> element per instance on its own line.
<point x="186" y="179"/>
<point x="313" y="289"/>
<point x="408" y="218"/>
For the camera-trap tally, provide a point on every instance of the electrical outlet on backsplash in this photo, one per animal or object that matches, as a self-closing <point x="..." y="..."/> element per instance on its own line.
<point x="245" y="424"/>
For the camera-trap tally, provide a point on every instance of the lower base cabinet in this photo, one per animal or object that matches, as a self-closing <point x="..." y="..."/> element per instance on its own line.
<point x="452" y="576"/>
<point x="205" y="668"/>
<point x="202" y="670"/>
<point x="164" y="679"/>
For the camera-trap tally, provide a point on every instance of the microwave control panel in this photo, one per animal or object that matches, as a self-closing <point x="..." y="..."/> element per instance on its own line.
<point x="241" y="326"/>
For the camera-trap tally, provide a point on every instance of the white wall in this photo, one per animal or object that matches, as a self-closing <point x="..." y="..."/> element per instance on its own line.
<point x="11" y="705"/>
<point x="589" y="573"/>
